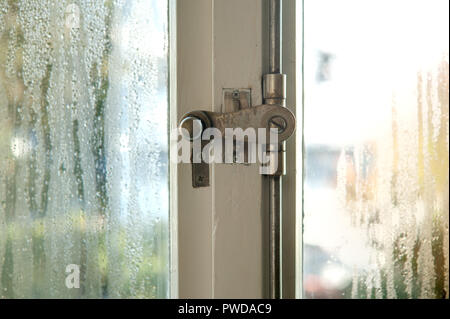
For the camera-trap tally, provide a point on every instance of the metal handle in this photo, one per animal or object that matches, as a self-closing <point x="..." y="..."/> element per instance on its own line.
<point x="258" y="117"/>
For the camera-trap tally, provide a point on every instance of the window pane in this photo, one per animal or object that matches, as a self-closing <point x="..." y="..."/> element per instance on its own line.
<point x="83" y="149"/>
<point x="376" y="207"/>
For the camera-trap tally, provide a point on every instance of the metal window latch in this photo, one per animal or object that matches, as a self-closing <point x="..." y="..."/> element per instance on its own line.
<point x="237" y="113"/>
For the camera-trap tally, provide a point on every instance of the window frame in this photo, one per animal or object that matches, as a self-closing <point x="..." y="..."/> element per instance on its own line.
<point x="200" y="282"/>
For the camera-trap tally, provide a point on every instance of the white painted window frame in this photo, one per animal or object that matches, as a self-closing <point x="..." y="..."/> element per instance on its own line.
<point x="192" y="34"/>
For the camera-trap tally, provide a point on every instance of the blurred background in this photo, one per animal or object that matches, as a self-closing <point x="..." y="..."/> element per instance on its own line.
<point x="83" y="148"/>
<point x="376" y="136"/>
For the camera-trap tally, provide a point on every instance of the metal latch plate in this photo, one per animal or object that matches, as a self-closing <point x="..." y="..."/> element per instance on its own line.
<point x="236" y="99"/>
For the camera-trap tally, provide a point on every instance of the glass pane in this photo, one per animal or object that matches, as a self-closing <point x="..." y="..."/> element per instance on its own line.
<point x="376" y="209"/>
<point x="83" y="149"/>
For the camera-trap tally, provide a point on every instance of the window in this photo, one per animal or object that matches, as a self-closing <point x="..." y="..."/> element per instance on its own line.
<point x="84" y="149"/>
<point x="376" y="208"/>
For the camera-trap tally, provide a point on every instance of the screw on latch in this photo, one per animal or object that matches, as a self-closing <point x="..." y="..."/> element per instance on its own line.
<point x="279" y="123"/>
<point x="200" y="179"/>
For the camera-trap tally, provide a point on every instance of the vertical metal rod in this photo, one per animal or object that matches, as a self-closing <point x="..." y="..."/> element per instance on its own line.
<point x="275" y="220"/>
<point x="275" y="36"/>
<point x="275" y="181"/>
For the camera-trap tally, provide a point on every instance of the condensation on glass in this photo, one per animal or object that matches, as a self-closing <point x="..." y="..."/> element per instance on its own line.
<point x="376" y="205"/>
<point x="83" y="149"/>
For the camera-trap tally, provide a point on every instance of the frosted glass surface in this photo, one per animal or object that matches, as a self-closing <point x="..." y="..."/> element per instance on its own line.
<point x="376" y="207"/>
<point x="83" y="148"/>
